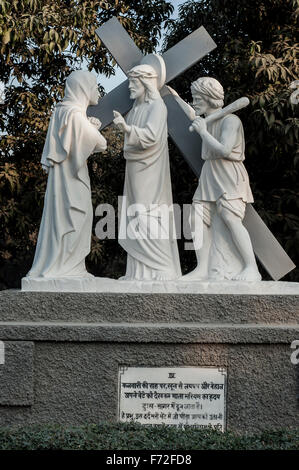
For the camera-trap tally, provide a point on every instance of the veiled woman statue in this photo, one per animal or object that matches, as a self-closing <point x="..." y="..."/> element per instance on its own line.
<point x="152" y="254"/>
<point x="65" y="232"/>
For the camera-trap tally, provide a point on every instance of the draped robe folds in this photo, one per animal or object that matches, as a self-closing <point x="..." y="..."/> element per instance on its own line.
<point x="65" y="231"/>
<point x="148" y="187"/>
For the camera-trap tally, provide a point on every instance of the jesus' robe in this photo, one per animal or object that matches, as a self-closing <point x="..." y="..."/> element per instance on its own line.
<point x="147" y="231"/>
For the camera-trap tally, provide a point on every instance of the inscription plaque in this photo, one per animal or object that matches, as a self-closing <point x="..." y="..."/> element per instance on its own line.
<point x="177" y="396"/>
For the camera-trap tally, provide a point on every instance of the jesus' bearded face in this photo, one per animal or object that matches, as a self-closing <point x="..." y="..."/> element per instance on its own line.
<point x="136" y="88"/>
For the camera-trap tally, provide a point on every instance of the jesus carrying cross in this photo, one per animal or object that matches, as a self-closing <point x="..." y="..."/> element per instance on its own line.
<point x="147" y="180"/>
<point x="178" y="59"/>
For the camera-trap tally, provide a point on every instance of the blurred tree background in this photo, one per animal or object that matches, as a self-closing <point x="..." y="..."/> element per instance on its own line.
<point x="43" y="41"/>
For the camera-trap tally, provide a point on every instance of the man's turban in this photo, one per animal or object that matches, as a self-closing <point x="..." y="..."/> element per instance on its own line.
<point x="209" y="87"/>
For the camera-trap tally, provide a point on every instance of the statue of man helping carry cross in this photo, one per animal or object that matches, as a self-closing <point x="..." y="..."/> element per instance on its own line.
<point x="178" y="59"/>
<point x="223" y="191"/>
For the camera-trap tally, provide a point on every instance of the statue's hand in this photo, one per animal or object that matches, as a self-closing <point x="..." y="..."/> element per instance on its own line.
<point x="45" y="168"/>
<point x="172" y="90"/>
<point x="95" y="122"/>
<point x="199" y="124"/>
<point x="119" y="121"/>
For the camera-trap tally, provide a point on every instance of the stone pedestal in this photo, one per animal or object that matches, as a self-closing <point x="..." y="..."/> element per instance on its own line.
<point x="63" y="351"/>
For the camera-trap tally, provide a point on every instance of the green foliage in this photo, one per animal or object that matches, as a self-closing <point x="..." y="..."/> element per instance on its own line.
<point x="41" y="42"/>
<point x="255" y="57"/>
<point x="130" y="436"/>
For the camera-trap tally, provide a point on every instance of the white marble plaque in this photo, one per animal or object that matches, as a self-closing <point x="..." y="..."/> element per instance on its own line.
<point x="179" y="396"/>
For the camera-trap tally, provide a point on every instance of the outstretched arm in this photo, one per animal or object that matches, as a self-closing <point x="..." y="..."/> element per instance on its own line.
<point x="120" y="122"/>
<point x="185" y="106"/>
<point x="141" y="138"/>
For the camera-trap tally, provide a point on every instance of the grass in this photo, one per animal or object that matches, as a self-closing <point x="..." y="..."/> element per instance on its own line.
<point x="132" y="436"/>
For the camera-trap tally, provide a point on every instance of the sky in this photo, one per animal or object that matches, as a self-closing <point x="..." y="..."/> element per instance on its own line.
<point x="2" y="88"/>
<point x="119" y="77"/>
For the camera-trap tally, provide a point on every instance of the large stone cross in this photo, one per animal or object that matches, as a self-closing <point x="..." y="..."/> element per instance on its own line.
<point x="178" y="59"/>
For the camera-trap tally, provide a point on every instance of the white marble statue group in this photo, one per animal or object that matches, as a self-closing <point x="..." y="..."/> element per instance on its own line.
<point x="223" y="246"/>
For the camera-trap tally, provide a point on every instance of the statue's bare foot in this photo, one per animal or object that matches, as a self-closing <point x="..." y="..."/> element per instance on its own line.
<point x="196" y="275"/>
<point x="248" y="274"/>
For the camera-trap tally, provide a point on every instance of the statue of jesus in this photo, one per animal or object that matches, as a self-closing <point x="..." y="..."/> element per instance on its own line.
<point x="147" y="189"/>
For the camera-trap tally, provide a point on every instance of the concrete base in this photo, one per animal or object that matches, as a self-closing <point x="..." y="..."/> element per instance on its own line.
<point x="105" y="284"/>
<point x="63" y="351"/>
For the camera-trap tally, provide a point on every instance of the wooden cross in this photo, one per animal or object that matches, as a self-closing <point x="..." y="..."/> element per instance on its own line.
<point x="178" y="59"/>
